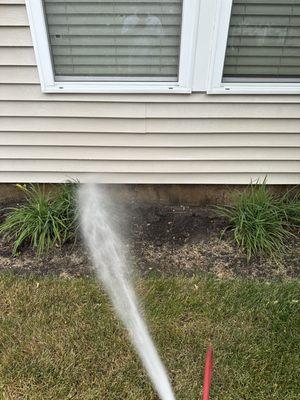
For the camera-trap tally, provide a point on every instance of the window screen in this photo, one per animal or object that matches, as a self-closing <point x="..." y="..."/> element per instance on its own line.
<point x="264" y="41"/>
<point x="123" y="40"/>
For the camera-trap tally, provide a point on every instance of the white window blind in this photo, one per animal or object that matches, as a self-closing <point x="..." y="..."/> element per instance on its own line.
<point x="264" y="41"/>
<point x="135" y="40"/>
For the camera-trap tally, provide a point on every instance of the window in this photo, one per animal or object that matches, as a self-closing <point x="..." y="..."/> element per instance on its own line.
<point x="263" y="43"/>
<point x="257" y="47"/>
<point x="115" y="40"/>
<point x="167" y="46"/>
<point x="114" y="46"/>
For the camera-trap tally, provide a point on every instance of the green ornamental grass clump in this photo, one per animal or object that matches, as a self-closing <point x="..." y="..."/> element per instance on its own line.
<point x="262" y="222"/>
<point x="43" y="220"/>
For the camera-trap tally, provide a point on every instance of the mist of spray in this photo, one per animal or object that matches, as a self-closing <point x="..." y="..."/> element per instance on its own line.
<point x="109" y="257"/>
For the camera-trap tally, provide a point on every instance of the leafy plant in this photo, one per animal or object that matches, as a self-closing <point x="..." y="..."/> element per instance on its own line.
<point x="291" y="205"/>
<point x="43" y="220"/>
<point x="260" y="221"/>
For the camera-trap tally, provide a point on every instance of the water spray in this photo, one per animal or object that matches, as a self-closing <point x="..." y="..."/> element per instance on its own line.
<point x="101" y="235"/>
<point x="109" y="258"/>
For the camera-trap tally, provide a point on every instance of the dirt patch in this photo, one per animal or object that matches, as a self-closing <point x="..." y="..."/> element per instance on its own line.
<point x="164" y="240"/>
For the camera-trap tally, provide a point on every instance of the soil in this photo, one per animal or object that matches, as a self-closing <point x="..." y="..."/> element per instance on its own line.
<point x="163" y="240"/>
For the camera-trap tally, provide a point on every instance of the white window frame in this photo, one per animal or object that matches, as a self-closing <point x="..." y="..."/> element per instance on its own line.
<point x="190" y="19"/>
<point x="222" y="10"/>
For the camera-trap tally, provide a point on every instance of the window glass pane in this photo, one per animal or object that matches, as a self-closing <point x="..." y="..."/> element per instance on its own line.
<point x="135" y="40"/>
<point x="263" y="41"/>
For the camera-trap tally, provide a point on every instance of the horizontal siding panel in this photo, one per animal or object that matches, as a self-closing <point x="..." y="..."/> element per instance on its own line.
<point x="17" y="56"/>
<point x="230" y="140"/>
<point x="66" y="166"/>
<point x="250" y="125"/>
<point x="32" y="92"/>
<point x="134" y="110"/>
<point x="223" y="110"/>
<point x="89" y="110"/>
<point x="151" y="178"/>
<point x="15" y="36"/>
<point x="148" y="154"/>
<point x="105" y="125"/>
<point x="39" y="124"/>
<point x="13" y="15"/>
<point x="18" y="74"/>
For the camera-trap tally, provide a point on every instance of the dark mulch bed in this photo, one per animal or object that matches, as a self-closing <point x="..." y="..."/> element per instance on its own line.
<point x="164" y="240"/>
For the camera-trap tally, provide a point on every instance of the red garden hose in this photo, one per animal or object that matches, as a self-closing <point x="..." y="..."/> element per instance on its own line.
<point x="207" y="373"/>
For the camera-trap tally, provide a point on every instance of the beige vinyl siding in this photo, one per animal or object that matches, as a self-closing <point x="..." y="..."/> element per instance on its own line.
<point x="137" y="138"/>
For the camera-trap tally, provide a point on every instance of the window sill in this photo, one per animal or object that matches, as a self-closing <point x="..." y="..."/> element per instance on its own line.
<point x="257" y="88"/>
<point x="115" y="87"/>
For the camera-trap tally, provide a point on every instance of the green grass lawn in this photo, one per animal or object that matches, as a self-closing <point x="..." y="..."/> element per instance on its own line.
<point x="59" y="339"/>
